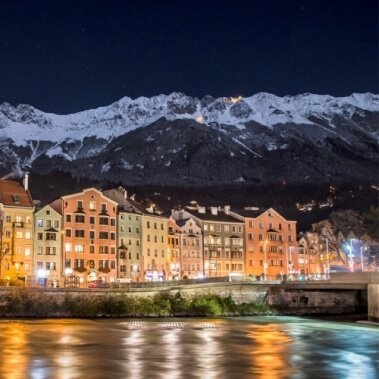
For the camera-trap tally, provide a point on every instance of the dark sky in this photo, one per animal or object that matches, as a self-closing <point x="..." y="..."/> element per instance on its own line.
<point x="66" y="56"/>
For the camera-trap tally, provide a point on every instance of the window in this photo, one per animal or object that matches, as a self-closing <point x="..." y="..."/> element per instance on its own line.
<point x="68" y="247"/>
<point x="51" y="237"/>
<point x="103" y="235"/>
<point x="92" y="220"/>
<point x="104" y="208"/>
<point x="91" y="263"/>
<point x="122" y="228"/>
<point x="67" y="263"/>
<point x="39" y="265"/>
<point x="68" y="218"/>
<point x="39" y="250"/>
<point x="79" y="248"/>
<point x="113" y="265"/>
<point x="148" y="252"/>
<point x="148" y="237"/>
<point x="50" y="250"/>
<point x="92" y="206"/>
<point x="80" y="204"/>
<point x="92" y="249"/>
<point x="79" y="233"/>
<point x="40" y="223"/>
<point x="129" y="229"/>
<point x="148" y="224"/>
<point x="68" y="232"/>
<point x="18" y="234"/>
<point x="163" y="254"/>
<point x="79" y="263"/>
<point x="103" y="221"/>
<point x="79" y="219"/>
<point x="280" y="226"/>
<point x="155" y="225"/>
<point x="122" y="268"/>
<point x="103" y="264"/>
<point x="260" y="225"/>
<point x="162" y="239"/>
<point x="56" y="224"/>
<point x="250" y="236"/>
<point x="103" y="250"/>
<point x="137" y="230"/>
<point x="48" y="223"/>
<point x="250" y="224"/>
<point x="113" y="249"/>
<point x="155" y="253"/>
<point x="155" y="239"/>
<point x="218" y="228"/>
<point x="226" y="228"/>
<point x="260" y="237"/>
<point x="113" y="221"/>
<point x="92" y="234"/>
<point x="205" y="227"/>
<point x="28" y="235"/>
<point x="27" y="251"/>
<point x="161" y="226"/>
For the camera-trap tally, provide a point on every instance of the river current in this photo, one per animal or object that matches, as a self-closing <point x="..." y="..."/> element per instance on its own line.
<point x="252" y="347"/>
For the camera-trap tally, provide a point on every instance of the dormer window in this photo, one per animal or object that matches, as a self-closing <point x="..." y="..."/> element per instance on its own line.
<point x="16" y="199"/>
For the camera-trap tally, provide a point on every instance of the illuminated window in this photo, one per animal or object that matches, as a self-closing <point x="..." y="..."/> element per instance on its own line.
<point x="79" y="248"/>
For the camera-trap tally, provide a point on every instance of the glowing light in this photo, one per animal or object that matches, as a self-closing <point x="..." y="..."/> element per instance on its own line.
<point x="200" y="119"/>
<point x="235" y="99"/>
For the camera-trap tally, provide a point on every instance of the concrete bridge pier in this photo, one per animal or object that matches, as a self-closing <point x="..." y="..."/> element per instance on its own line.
<point x="373" y="302"/>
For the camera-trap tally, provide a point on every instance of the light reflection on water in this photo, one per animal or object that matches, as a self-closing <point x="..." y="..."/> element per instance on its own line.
<point x="269" y="348"/>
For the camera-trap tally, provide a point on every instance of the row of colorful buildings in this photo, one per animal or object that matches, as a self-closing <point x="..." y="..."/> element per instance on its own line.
<point x="97" y="235"/>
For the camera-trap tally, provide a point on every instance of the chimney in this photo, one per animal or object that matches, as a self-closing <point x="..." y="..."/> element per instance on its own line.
<point x="125" y="194"/>
<point x="214" y="211"/>
<point x="226" y="209"/>
<point x="26" y="182"/>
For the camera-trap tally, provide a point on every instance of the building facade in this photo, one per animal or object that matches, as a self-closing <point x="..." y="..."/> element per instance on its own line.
<point x="223" y="239"/>
<point x="89" y="238"/>
<point x="129" y="223"/>
<point x="271" y="246"/>
<point x="16" y="231"/>
<point x="48" y="268"/>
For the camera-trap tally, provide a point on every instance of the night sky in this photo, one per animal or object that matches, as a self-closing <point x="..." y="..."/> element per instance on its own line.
<point x="65" y="56"/>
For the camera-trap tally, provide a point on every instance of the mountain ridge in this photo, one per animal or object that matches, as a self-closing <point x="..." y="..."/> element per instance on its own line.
<point x="256" y="138"/>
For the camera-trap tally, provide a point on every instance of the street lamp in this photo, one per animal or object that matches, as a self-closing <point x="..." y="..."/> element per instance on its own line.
<point x="351" y="256"/>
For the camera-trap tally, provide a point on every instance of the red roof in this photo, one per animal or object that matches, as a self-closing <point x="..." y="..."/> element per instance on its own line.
<point x="13" y="194"/>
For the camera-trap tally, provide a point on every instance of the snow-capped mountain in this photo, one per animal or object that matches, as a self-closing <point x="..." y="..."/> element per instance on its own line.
<point x="177" y="139"/>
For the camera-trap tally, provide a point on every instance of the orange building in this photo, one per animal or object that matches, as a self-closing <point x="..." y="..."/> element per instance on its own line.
<point x="270" y="240"/>
<point x="89" y="237"/>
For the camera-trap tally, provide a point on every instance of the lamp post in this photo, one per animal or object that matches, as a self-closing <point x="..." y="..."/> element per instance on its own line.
<point x="327" y="260"/>
<point x="351" y="261"/>
<point x="362" y="258"/>
<point x="290" y="264"/>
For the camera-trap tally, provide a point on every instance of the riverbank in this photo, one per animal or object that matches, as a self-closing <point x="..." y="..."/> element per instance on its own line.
<point x="30" y="303"/>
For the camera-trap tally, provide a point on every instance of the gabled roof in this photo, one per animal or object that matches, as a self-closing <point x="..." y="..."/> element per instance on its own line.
<point x="89" y="190"/>
<point x="258" y="212"/>
<point x="13" y="194"/>
<point x="208" y="216"/>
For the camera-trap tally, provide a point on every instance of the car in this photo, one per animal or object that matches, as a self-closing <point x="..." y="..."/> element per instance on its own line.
<point x="98" y="284"/>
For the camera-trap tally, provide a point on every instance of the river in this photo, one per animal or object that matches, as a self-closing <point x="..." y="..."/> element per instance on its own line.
<point x="252" y="347"/>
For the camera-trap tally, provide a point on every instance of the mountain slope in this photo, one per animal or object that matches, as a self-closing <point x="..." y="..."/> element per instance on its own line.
<point x="177" y="139"/>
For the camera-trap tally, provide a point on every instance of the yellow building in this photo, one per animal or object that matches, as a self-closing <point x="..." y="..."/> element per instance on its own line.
<point x="16" y="231"/>
<point x="48" y="267"/>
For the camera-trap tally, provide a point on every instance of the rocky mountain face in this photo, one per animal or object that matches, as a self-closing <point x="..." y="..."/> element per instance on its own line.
<point x="180" y="140"/>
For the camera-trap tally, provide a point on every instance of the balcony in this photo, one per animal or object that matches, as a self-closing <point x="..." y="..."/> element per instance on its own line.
<point x="18" y="224"/>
